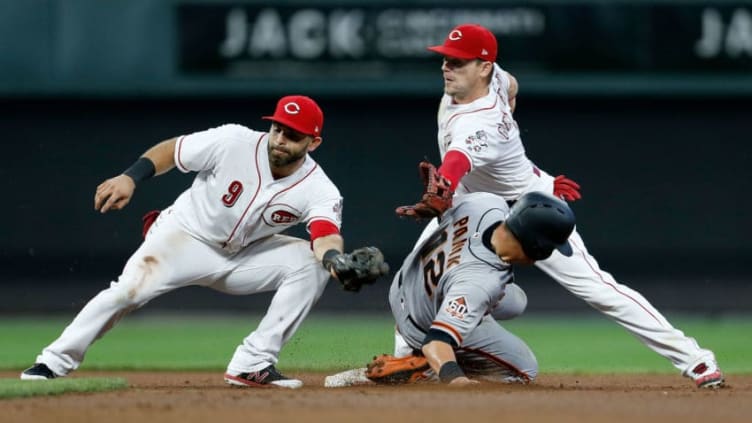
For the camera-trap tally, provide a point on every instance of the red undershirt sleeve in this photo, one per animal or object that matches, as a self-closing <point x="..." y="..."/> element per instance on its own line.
<point x="454" y="167"/>
<point x="319" y="228"/>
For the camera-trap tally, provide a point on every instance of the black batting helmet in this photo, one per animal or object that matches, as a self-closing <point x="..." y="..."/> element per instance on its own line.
<point x="541" y="222"/>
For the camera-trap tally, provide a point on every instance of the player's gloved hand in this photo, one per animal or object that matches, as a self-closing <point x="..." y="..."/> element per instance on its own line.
<point x="437" y="197"/>
<point x="148" y="220"/>
<point x="566" y="189"/>
<point x="390" y="370"/>
<point x="361" y="267"/>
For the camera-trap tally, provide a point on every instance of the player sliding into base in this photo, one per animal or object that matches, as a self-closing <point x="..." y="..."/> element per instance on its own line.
<point x="224" y="233"/>
<point x="442" y="295"/>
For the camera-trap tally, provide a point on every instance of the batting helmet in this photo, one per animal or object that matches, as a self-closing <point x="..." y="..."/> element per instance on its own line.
<point x="541" y="222"/>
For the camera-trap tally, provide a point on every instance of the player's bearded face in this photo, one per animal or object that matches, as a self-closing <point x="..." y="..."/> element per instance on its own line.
<point x="286" y="146"/>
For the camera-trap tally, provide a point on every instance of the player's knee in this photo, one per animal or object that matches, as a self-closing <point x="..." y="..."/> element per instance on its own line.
<point x="531" y="372"/>
<point x="521" y="372"/>
<point x="526" y="374"/>
<point x="311" y="277"/>
<point x="309" y="270"/>
<point x="133" y="293"/>
<point x="529" y="377"/>
<point x="512" y="304"/>
<point x="143" y="278"/>
<point x="116" y="299"/>
<point x="129" y="297"/>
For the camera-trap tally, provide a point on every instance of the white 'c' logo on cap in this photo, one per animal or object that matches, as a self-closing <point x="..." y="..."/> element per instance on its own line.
<point x="292" y="108"/>
<point x="455" y="35"/>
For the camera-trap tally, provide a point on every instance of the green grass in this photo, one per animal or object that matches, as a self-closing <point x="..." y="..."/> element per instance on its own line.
<point x="597" y="345"/>
<point x="15" y="388"/>
<point x="588" y="344"/>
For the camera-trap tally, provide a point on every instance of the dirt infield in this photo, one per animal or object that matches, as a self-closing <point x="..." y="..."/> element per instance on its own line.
<point x="203" y="397"/>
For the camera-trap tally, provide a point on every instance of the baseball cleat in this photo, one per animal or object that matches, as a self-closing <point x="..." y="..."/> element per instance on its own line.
<point x="268" y="377"/>
<point x="706" y="374"/>
<point x="38" y="371"/>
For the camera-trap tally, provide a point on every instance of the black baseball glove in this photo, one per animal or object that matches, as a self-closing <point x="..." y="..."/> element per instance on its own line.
<point x="361" y="267"/>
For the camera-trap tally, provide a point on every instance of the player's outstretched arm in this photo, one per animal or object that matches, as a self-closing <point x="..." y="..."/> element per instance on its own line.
<point x="162" y="156"/>
<point x="323" y="244"/>
<point x="115" y="193"/>
<point x="437" y="195"/>
<point x="442" y="360"/>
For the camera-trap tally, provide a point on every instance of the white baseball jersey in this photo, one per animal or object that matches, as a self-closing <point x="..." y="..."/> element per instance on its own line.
<point x="487" y="134"/>
<point x="234" y="202"/>
<point x="234" y="199"/>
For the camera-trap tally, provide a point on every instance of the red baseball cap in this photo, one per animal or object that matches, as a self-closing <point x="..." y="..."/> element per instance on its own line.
<point x="300" y="113"/>
<point x="469" y="41"/>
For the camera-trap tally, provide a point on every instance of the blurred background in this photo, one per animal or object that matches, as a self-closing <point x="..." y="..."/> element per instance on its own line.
<point x="647" y="104"/>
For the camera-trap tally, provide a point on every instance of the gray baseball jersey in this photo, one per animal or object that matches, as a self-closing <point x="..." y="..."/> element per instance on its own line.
<point x="452" y="280"/>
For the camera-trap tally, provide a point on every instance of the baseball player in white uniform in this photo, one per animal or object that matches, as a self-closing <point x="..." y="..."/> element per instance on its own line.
<point x="479" y="142"/>
<point x="224" y="233"/>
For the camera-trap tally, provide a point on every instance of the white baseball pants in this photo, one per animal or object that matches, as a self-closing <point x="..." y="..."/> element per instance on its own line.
<point x="170" y="258"/>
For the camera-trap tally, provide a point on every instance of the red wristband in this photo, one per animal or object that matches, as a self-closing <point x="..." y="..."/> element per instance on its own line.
<point x="454" y="167"/>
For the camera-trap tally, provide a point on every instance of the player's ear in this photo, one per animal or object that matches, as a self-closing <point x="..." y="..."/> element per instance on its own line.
<point x="315" y="143"/>
<point x="487" y="68"/>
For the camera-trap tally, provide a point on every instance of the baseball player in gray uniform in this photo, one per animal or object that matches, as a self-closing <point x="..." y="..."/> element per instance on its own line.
<point x="224" y="233"/>
<point x="481" y="150"/>
<point x="443" y="295"/>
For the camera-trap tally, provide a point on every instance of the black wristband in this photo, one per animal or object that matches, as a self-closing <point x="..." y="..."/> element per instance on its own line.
<point x="141" y="170"/>
<point x="450" y="371"/>
<point x="328" y="260"/>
